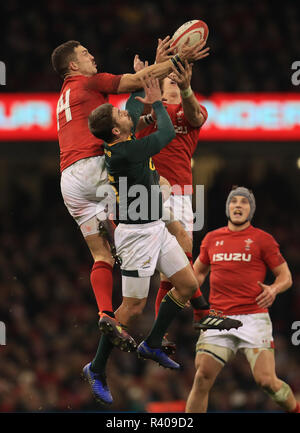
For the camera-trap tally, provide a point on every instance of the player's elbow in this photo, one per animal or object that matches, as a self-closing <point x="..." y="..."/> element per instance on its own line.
<point x="289" y="280"/>
<point x="197" y="120"/>
<point x="288" y="276"/>
<point x="166" y="139"/>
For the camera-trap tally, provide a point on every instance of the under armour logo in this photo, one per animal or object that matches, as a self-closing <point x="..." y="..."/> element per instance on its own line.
<point x="219" y="243"/>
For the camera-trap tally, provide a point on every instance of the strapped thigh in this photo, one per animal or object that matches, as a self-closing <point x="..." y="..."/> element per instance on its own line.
<point x="253" y="354"/>
<point x="221" y="354"/>
<point x="135" y="287"/>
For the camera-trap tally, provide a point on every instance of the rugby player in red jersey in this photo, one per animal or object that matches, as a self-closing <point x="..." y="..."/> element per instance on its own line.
<point x="82" y="161"/>
<point x="237" y="257"/>
<point x="174" y="162"/>
<point x="81" y="154"/>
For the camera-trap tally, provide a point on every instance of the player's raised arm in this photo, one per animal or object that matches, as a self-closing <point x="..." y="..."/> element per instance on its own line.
<point x="135" y="108"/>
<point x="195" y="114"/>
<point x="131" y="82"/>
<point x="138" y="65"/>
<point x="148" y="146"/>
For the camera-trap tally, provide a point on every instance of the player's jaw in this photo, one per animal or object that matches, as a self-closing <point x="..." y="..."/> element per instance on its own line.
<point x="89" y="67"/>
<point x="238" y="215"/>
<point x="85" y="62"/>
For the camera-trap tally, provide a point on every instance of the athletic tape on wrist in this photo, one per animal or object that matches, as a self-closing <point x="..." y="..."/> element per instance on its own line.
<point x="186" y="93"/>
<point x="148" y="119"/>
<point x="175" y="63"/>
<point x="178" y="59"/>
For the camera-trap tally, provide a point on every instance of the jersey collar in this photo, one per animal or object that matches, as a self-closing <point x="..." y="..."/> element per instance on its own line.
<point x="130" y="137"/>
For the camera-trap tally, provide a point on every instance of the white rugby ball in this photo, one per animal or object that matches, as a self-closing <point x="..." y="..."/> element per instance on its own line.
<point x="196" y="30"/>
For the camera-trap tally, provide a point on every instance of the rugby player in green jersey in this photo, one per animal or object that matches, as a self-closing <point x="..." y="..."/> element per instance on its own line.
<point x="141" y="237"/>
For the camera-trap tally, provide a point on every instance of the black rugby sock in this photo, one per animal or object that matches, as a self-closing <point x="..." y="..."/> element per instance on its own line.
<point x="168" y="309"/>
<point x="104" y="350"/>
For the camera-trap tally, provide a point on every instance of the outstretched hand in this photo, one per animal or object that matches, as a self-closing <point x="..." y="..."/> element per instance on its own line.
<point x="163" y="50"/>
<point x="138" y="64"/>
<point x="152" y="90"/>
<point x="267" y="297"/>
<point x="193" y="53"/>
<point x="182" y="76"/>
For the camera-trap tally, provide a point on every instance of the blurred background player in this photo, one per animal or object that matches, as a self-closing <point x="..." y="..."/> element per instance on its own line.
<point x="237" y="257"/>
<point x="82" y="160"/>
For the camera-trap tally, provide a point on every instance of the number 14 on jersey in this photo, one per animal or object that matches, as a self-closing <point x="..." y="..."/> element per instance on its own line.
<point x="64" y="105"/>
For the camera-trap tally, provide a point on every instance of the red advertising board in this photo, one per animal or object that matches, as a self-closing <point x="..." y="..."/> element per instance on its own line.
<point x="231" y="116"/>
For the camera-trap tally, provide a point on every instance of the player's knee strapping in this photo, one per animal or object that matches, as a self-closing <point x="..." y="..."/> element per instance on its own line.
<point x="281" y="395"/>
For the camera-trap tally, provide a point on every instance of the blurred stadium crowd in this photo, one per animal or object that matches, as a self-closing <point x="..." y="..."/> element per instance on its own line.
<point x="252" y="48"/>
<point x="46" y="300"/>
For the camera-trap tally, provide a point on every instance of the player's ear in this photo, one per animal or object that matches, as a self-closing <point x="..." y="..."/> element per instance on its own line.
<point x="116" y="131"/>
<point x="73" y="66"/>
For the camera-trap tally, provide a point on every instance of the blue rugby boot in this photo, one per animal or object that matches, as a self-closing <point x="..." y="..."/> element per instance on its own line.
<point x="98" y="385"/>
<point x="156" y="354"/>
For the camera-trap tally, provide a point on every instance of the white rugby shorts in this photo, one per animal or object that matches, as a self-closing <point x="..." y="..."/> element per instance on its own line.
<point x="82" y="186"/>
<point x="256" y="332"/>
<point x="146" y="247"/>
<point x="181" y="207"/>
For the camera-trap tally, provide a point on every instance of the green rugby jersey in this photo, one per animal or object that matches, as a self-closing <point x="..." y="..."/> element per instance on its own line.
<point x="130" y="168"/>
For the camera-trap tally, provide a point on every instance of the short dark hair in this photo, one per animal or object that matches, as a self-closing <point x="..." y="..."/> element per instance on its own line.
<point x="101" y="122"/>
<point x="62" y="56"/>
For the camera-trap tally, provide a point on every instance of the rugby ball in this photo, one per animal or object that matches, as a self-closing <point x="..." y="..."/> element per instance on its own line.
<point x="196" y="30"/>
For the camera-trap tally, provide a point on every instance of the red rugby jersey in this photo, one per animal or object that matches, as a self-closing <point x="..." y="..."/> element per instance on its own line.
<point x="78" y="97"/>
<point x="174" y="161"/>
<point x="237" y="261"/>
